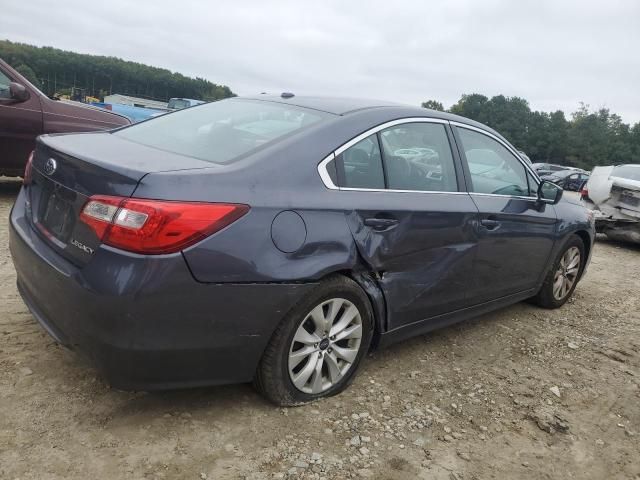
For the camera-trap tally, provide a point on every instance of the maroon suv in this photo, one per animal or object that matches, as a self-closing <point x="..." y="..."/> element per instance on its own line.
<point x="26" y="112"/>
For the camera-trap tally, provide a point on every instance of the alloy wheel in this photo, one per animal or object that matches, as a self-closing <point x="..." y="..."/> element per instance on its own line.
<point x="325" y="345"/>
<point x="567" y="273"/>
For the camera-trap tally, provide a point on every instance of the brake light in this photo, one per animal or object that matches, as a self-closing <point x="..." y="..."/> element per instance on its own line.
<point x="156" y="226"/>
<point x="584" y="193"/>
<point x="26" y="178"/>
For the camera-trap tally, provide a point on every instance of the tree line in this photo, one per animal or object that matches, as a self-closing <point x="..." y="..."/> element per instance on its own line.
<point x="56" y="71"/>
<point x="586" y="139"/>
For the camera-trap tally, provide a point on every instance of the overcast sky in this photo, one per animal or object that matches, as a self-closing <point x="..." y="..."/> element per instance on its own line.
<point x="554" y="53"/>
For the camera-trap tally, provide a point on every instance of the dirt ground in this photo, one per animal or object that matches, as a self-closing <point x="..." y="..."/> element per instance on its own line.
<point x="519" y="393"/>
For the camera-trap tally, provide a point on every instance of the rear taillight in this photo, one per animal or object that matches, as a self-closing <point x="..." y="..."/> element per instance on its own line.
<point x="26" y="178"/>
<point x="584" y="193"/>
<point x="156" y="226"/>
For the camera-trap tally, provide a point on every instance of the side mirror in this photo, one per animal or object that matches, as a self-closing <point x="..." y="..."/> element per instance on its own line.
<point x="18" y="92"/>
<point x="549" y="192"/>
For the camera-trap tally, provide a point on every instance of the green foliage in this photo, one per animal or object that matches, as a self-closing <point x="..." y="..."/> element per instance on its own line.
<point x="587" y="140"/>
<point x="56" y="71"/>
<point x="29" y="74"/>
<point x="433" y="105"/>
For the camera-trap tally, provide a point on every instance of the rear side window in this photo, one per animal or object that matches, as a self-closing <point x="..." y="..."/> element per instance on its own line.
<point x="417" y="156"/>
<point x="493" y="168"/>
<point x="224" y="131"/>
<point x="362" y="165"/>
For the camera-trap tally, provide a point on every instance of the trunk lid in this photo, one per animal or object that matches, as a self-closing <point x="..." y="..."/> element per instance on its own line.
<point x="68" y="169"/>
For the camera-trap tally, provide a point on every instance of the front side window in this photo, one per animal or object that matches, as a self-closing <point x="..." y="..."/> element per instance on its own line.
<point x="417" y="156"/>
<point x="362" y="165"/>
<point x="493" y="168"/>
<point x="5" y="83"/>
<point x="221" y="132"/>
<point x="533" y="185"/>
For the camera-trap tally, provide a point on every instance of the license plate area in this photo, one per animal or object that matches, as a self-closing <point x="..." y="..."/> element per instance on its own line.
<point x="56" y="213"/>
<point x="630" y="199"/>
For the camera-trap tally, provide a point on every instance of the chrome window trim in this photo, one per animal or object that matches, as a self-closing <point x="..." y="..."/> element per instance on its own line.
<point x="326" y="178"/>
<point x="383" y="126"/>
<point x="349" y="189"/>
<point x="324" y="174"/>
<point x="519" y="197"/>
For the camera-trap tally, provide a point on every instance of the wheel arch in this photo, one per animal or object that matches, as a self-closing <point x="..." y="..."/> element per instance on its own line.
<point x="367" y="282"/>
<point x="586" y="241"/>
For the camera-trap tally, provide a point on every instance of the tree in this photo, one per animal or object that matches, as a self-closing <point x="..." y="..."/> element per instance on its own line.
<point x="433" y="105"/>
<point x="588" y="139"/>
<point x="29" y="74"/>
<point x="471" y="106"/>
<point x="60" y="70"/>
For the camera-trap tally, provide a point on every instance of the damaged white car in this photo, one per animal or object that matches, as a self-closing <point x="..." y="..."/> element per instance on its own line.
<point x="614" y="195"/>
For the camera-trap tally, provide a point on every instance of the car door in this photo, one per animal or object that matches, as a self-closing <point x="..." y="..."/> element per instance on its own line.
<point x="20" y="123"/>
<point x="515" y="231"/>
<point x="412" y="222"/>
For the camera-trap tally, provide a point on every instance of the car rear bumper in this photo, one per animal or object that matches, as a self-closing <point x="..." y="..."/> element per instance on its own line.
<point x="144" y="322"/>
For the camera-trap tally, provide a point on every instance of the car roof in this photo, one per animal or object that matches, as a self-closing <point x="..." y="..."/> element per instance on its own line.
<point x="335" y="105"/>
<point x="346" y="105"/>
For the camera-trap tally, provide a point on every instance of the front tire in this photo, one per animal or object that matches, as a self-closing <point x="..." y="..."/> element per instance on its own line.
<point x="317" y="348"/>
<point x="564" y="275"/>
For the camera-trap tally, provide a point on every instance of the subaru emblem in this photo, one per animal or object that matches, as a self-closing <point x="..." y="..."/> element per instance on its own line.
<point x="50" y="166"/>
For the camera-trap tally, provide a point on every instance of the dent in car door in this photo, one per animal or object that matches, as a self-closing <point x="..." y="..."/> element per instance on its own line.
<point x="515" y="232"/>
<point x="419" y="242"/>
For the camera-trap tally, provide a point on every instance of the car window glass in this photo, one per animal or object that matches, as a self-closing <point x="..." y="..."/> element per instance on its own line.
<point x="493" y="168"/>
<point x="417" y="156"/>
<point x="627" y="171"/>
<point x="361" y="165"/>
<point x="224" y="131"/>
<point x="331" y="170"/>
<point x="5" y="83"/>
<point x="533" y="185"/>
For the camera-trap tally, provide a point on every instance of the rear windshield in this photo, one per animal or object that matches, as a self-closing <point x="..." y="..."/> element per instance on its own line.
<point x="221" y="132"/>
<point x="626" y="171"/>
<point x="176" y="103"/>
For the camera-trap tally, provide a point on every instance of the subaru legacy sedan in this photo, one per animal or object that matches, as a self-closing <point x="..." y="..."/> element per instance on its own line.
<point x="278" y="239"/>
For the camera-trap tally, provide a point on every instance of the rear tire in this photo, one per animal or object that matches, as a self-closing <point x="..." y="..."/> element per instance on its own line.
<point x="317" y="348"/>
<point x="563" y="276"/>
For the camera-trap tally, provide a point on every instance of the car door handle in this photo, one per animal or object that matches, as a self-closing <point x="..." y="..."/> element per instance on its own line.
<point x="489" y="223"/>
<point x="380" y="223"/>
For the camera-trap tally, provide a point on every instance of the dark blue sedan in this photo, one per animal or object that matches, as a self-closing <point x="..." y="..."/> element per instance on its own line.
<point x="279" y="239"/>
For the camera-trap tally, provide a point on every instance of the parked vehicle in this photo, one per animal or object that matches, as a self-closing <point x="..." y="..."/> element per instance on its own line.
<point x="278" y="239"/>
<point x="571" y="180"/>
<point x="550" y="168"/>
<point x="26" y="112"/>
<point x="525" y="157"/>
<point x="134" y="114"/>
<point x="614" y="193"/>
<point x="180" y="103"/>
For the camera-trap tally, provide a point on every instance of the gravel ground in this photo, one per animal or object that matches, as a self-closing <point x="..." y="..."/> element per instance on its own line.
<point x="519" y="393"/>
